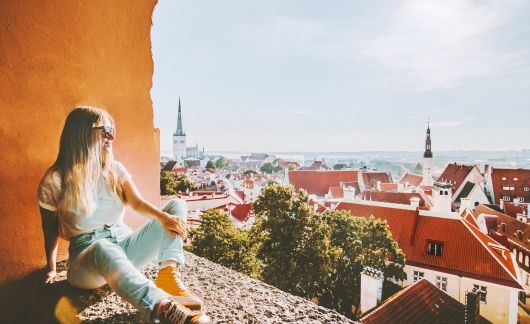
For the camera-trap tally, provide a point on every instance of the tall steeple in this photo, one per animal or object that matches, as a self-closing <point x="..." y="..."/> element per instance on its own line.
<point x="179" y="140"/>
<point x="428" y="180"/>
<point x="179" y="131"/>
<point x="428" y="152"/>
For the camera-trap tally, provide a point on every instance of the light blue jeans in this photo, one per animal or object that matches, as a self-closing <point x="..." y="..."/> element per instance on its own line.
<point x="114" y="253"/>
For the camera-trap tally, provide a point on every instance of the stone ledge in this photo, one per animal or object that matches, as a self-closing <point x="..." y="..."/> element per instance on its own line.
<point x="229" y="297"/>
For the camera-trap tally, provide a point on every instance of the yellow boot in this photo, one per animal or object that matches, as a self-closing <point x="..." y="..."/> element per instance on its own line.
<point x="168" y="279"/>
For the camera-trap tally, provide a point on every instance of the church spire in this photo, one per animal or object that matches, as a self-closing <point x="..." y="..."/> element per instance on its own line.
<point x="428" y="152"/>
<point x="179" y="131"/>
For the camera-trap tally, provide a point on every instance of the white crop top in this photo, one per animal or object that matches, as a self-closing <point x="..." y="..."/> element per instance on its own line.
<point x="109" y="207"/>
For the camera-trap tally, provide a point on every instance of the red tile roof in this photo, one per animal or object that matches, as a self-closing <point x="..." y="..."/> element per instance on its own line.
<point x="467" y="251"/>
<point x="319" y="182"/>
<point x="336" y="192"/>
<point x="249" y="184"/>
<point x="317" y="206"/>
<point x="504" y="178"/>
<point x="512" y="225"/>
<point x="420" y="302"/>
<point x="389" y="186"/>
<point x="240" y="194"/>
<point x="370" y="178"/>
<point x="511" y="209"/>
<point x="455" y="174"/>
<point x="392" y="197"/>
<point x="285" y="164"/>
<point x="242" y="212"/>
<point x="411" y="179"/>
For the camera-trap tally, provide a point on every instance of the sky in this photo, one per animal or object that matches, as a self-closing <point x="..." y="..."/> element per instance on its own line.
<point x="342" y="75"/>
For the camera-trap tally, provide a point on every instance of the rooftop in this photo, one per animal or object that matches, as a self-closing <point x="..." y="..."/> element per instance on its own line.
<point x="420" y="302"/>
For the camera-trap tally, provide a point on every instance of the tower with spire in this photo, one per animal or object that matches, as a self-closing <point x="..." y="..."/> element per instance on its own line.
<point x="179" y="139"/>
<point x="427" y="160"/>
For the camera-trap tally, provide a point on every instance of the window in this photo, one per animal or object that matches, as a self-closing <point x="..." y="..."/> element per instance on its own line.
<point x="515" y="179"/>
<point x="441" y="283"/>
<point x="435" y="248"/>
<point x="506" y="198"/>
<point x="521" y="199"/>
<point x="526" y="189"/>
<point x="503" y="178"/>
<point x="417" y="275"/>
<point x="483" y="290"/>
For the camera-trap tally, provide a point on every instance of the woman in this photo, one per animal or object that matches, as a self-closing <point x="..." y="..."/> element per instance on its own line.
<point x="82" y="198"/>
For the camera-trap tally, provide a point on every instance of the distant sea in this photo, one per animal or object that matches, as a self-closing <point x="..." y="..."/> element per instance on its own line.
<point x="519" y="159"/>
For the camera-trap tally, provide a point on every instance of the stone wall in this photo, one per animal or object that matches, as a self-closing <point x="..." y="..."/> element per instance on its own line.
<point x="55" y="55"/>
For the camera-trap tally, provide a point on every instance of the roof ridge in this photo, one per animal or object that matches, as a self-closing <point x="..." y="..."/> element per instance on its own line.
<point x="496" y="258"/>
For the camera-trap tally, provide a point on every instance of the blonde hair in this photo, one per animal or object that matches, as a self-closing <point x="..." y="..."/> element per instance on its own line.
<point x="81" y="163"/>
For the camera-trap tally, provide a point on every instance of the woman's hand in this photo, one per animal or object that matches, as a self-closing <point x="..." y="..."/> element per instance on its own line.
<point x="174" y="225"/>
<point x="49" y="277"/>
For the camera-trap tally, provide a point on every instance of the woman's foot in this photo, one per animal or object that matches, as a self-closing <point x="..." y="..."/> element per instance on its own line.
<point x="172" y="312"/>
<point x="169" y="280"/>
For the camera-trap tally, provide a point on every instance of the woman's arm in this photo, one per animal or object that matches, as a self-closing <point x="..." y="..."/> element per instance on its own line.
<point x="134" y="199"/>
<point x="51" y="238"/>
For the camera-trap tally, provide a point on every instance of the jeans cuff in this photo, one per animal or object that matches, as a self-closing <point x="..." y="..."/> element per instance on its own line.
<point x="172" y="255"/>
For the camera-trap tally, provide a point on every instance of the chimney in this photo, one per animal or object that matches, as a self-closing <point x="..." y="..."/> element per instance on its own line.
<point x="519" y="234"/>
<point x="371" y="288"/>
<point x="349" y="193"/>
<point x="472" y="315"/>
<point x="415" y="202"/>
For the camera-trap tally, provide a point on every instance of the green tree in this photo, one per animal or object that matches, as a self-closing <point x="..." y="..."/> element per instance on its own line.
<point x="361" y="242"/>
<point x="267" y="168"/>
<point x="249" y="171"/>
<point x="320" y="256"/>
<point x="171" y="183"/>
<point x="168" y="183"/>
<point x="210" y="165"/>
<point x="184" y="184"/>
<point x="221" y="162"/>
<point x="217" y="240"/>
<point x="293" y="245"/>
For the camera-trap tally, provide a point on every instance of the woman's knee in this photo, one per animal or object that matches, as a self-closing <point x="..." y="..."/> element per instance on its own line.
<point x="177" y="207"/>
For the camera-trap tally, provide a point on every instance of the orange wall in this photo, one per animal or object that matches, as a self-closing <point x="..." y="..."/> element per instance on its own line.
<point x="55" y="55"/>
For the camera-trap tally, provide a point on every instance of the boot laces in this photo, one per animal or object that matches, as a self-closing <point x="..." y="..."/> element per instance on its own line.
<point x="177" y="313"/>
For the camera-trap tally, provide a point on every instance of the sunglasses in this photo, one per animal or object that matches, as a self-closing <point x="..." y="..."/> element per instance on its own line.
<point x="108" y="131"/>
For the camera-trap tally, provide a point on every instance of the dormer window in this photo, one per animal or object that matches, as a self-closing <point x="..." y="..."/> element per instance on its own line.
<point x="435" y="248"/>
